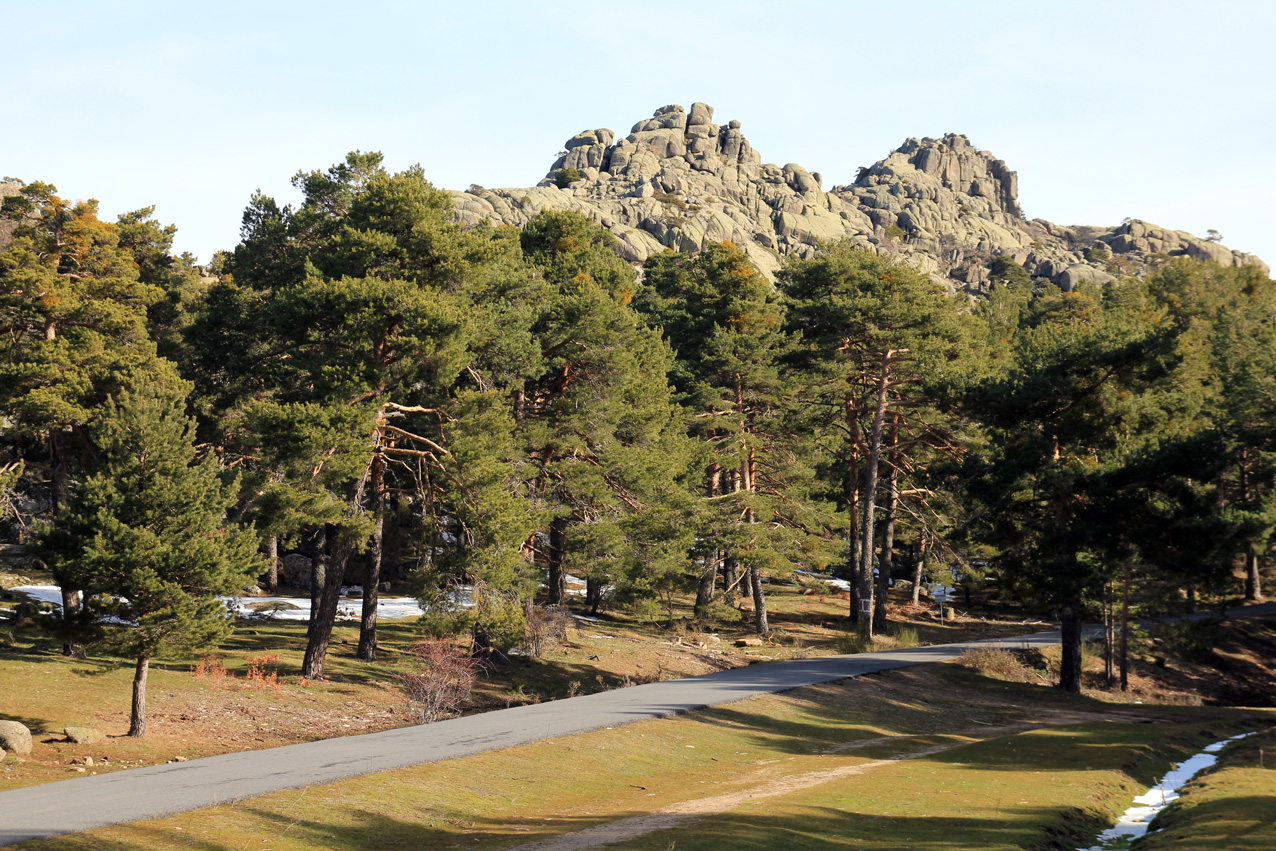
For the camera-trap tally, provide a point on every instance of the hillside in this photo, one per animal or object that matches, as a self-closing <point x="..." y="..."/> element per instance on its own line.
<point x="680" y="181"/>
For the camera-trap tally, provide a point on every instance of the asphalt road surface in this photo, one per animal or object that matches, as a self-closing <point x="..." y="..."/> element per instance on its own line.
<point x="71" y="806"/>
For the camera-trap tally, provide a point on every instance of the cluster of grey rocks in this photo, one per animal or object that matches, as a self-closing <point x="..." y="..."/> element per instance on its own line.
<point x="679" y="181"/>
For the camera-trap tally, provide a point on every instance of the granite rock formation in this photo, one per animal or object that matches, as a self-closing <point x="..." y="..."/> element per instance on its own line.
<point x="680" y="181"/>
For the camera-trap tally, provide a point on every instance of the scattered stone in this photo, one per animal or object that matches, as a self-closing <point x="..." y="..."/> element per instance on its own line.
<point x="84" y="735"/>
<point x="15" y="737"/>
<point x="748" y="642"/>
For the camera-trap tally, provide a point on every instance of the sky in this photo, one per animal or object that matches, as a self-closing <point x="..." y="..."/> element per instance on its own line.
<point x="1163" y="110"/>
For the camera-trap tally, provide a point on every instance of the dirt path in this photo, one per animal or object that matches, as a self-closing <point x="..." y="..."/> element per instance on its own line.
<point x="684" y="812"/>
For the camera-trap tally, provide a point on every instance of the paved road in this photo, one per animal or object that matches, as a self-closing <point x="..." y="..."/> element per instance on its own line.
<point x="71" y="806"/>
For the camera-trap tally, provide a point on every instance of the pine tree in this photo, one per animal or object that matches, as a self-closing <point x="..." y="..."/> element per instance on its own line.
<point x="725" y="323"/>
<point x="595" y="414"/>
<point x="146" y="536"/>
<point x="872" y="336"/>
<point x="1076" y="403"/>
<point x="75" y="303"/>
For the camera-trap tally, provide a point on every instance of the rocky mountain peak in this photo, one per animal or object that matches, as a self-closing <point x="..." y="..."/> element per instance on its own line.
<point x="953" y="164"/>
<point x="680" y="181"/>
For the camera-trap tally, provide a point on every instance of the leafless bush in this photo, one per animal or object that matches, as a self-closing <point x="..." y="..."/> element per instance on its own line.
<point x="993" y="662"/>
<point x="442" y="682"/>
<point x="546" y="627"/>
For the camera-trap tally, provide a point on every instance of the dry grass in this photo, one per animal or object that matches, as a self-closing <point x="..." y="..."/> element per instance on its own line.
<point x="928" y="758"/>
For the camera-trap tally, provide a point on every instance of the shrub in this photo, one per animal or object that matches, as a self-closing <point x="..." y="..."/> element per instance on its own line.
<point x="499" y="620"/>
<point x="1005" y="272"/>
<point x="546" y="627"/>
<point x="565" y="177"/>
<point x="442" y="681"/>
<point x="648" y="610"/>
<point x="993" y="662"/>
<point x="894" y="233"/>
<point x="905" y="636"/>
<point x="718" y="613"/>
<point x="263" y="673"/>
<point x="212" y="670"/>
<point x="851" y="642"/>
<point x="1191" y="640"/>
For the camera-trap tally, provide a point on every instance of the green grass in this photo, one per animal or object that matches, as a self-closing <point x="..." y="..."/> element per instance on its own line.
<point x="1231" y="806"/>
<point x="990" y="787"/>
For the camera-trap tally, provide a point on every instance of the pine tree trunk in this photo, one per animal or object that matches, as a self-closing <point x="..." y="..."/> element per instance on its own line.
<point x="730" y="567"/>
<point x="706" y="587"/>
<point x="852" y="512"/>
<point x="326" y="616"/>
<point x="708" y="584"/>
<point x="72" y="600"/>
<point x="1125" y="630"/>
<point x="918" y="568"/>
<point x="870" y="494"/>
<point x="593" y="594"/>
<point x="888" y="533"/>
<point x="1070" y="641"/>
<point x="272" y="573"/>
<point x="1253" y="579"/>
<point x="760" y="621"/>
<point x="137" y="720"/>
<point x="1109" y="637"/>
<point x="557" y="579"/>
<point x="318" y="573"/>
<point x="372" y="582"/>
<point x="730" y="579"/>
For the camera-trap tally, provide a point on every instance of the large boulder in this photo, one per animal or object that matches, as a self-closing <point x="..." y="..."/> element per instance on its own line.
<point x="294" y="571"/>
<point x="84" y="735"/>
<point x="15" y="737"/>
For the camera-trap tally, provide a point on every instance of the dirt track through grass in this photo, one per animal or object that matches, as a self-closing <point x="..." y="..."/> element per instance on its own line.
<point x="680" y="814"/>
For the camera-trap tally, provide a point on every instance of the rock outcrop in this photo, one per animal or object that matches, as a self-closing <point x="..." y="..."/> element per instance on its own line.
<point x="6" y="227"/>
<point x="15" y="737"/>
<point x="680" y="181"/>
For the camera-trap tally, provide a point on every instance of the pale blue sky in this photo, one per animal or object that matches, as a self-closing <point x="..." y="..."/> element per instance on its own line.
<point x="1161" y="110"/>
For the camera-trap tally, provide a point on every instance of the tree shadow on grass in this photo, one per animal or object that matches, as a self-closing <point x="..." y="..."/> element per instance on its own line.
<point x="1141" y="752"/>
<point x="814" y="828"/>
<point x="1239" y="823"/>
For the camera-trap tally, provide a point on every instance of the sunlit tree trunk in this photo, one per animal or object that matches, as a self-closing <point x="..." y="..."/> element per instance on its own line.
<point x="1253" y="578"/>
<point x="557" y="578"/>
<point x="326" y="616"/>
<point x="372" y="582"/>
<point x="888" y="533"/>
<point x="870" y="492"/>
<point x="272" y="573"/>
<point x="919" y="567"/>
<point x="137" y="719"/>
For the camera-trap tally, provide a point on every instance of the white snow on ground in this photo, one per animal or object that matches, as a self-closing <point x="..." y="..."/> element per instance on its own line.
<point x="837" y="584"/>
<point x="298" y="608"/>
<point x="279" y="608"/>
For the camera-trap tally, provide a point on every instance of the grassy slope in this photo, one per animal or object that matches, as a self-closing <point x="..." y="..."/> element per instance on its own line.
<point x="1232" y="806"/>
<point x="190" y="718"/>
<point x="987" y="787"/>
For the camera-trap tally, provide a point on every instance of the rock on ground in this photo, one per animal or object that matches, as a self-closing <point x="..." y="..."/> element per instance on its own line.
<point x="15" y="737"/>
<point x="84" y="735"/>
